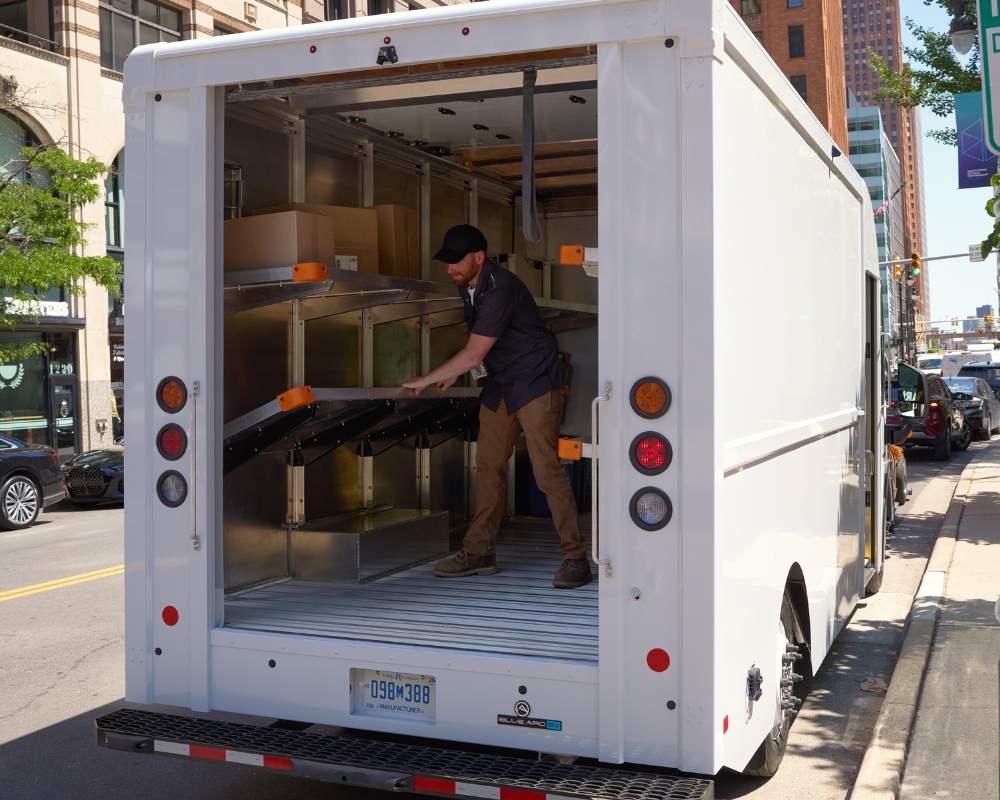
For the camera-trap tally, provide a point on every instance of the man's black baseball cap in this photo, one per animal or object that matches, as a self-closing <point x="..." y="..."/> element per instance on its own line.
<point x="459" y="242"/>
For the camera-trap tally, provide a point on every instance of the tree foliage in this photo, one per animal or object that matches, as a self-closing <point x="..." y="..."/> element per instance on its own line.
<point x="42" y="191"/>
<point x="933" y="77"/>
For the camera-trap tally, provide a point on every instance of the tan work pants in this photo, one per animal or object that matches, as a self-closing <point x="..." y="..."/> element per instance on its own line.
<point x="498" y="431"/>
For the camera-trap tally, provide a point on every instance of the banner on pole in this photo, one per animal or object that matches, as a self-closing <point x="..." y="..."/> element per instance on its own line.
<point x="976" y="163"/>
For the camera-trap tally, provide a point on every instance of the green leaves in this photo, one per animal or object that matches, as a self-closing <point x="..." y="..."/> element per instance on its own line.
<point x="41" y="234"/>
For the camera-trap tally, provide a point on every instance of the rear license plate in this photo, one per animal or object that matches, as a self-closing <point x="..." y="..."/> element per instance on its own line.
<point x="396" y="695"/>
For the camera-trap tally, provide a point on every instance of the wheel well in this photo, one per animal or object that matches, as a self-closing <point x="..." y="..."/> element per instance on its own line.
<point x="23" y="473"/>
<point x="795" y="586"/>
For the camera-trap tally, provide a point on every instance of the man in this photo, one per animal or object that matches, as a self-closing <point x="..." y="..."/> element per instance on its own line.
<point x="521" y="392"/>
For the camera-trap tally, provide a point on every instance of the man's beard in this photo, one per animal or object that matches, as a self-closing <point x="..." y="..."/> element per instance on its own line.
<point x="460" y="280"/>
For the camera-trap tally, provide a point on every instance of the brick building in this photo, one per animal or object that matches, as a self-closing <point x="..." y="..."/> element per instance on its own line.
<point x="803" y="37"/>
<point x="875" y="25"/>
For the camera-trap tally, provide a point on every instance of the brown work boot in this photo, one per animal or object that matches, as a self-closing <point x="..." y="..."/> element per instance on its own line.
<point x="573" y="573"/>
<point x="466" y="563"/>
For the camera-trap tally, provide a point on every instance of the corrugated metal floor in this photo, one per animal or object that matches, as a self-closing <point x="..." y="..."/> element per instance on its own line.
<point x="515" y="612"/>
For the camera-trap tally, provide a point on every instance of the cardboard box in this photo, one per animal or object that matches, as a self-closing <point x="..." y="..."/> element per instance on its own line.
<point x="277" y="240"/>
<point x="398" y="241"/>
<point x="355" y="230"/>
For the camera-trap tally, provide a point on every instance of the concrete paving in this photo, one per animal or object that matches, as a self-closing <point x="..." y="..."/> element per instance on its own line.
<point x="954" y="749"/>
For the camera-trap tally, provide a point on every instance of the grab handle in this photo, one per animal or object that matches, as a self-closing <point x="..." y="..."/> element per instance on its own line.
<point x="195" y="541"/>
<point x="594" y="490"/>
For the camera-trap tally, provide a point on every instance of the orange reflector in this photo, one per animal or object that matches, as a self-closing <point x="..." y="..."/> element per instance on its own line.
<point x="571" y="255"/>
<point x="650" y="397"/>
<point x="172" y="395"/>
<point x="309" y="271"/>
<point x="296" y="398"/>
<point x="570" y="448"/>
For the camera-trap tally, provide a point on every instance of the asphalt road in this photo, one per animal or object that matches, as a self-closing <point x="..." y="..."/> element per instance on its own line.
<point x="62" y="652"/>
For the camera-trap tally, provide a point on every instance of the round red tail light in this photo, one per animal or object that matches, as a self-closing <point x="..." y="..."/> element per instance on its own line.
<point x="171" y="441"/>
<point x="650" y="453"/>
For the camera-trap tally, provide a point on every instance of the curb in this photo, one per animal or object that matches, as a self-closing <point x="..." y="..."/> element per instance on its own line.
<point x="881" y="774"/>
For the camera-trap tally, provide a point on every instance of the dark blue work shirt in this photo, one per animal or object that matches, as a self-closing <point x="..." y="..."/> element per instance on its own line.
<point x="522" y="365"/>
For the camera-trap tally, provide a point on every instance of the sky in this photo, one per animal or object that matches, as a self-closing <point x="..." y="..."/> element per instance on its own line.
<point x="955" y="217"/>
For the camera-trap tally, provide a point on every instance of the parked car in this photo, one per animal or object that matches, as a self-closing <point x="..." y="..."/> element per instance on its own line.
<point x="946" y="428"/>
<point x="97" y="476"/>
<point x="982" y="409"/>
<point x="30" y="480"/>
<point x="986" y="370"/>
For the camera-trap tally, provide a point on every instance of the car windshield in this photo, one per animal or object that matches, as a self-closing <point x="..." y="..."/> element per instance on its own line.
<point x="962" y="388"/>
<point x="931" y="363"/>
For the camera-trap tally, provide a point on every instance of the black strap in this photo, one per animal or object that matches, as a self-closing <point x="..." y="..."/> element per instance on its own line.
<point x="529" y="209"/>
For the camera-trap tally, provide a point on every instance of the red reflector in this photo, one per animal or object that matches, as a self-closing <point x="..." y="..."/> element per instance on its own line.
<point x="387" y="40"/>
<point x="172" y="441"/>
<point x="170" y="616"/>
<point x="651" y="453"/>
<point x="312" y="48"/>
<point x="519" y="794"/>
<point x="213" y="753"/>
<point x="725" y="724"/>
<point x="929" y="431"/>
<point x="465" y="31"/>
<point x="273" y="762"/>
<point x="657" y="660"/>
<point x="433" y="785"/>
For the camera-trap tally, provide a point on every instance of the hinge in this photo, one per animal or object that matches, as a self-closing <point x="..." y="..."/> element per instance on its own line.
<point x="868" y="349"/>
<point x="868" y="499"/>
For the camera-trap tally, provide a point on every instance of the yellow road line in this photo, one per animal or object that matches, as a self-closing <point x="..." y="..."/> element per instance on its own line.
<point x="72" y="580"/>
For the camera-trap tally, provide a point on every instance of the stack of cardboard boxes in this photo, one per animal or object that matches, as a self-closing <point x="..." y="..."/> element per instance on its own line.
<point x="381" y="239"/>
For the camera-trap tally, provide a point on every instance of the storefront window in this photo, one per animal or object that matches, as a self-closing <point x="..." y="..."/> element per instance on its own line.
<point x="38" y="395"/>
<point x="114" y="203"/>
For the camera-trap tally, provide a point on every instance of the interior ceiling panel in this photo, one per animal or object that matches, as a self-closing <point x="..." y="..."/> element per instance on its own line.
<point x="464" y="125"/>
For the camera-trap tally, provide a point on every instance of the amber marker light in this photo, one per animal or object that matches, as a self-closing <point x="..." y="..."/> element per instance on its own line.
<point x="171" y="394"/>
<point x="650" y="398"/>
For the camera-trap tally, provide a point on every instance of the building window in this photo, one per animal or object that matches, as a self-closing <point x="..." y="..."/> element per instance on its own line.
<point x="750" y="7"/>
<point x="218" y="30"/>
<point x="128" y="23"/>
<point x="14" y="21"/>
<point x="797" y="4"/>
<point x="337" y="9"/>
<point x="799" y="82"/>
<point x="376" y="7"/>
<point x="114" y="202"/>
<point x="796" y="42"/>
<point x="760" y="36"/>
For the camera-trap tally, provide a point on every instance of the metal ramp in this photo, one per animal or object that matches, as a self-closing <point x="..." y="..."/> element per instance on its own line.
<point x="516" y="612"/>
<point x="390" y="766"/>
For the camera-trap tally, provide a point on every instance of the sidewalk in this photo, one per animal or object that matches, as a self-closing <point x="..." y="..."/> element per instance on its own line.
<point x="953" y="752"/>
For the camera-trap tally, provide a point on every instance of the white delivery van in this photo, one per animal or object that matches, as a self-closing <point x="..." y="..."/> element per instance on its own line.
<point x="287" y="500"/>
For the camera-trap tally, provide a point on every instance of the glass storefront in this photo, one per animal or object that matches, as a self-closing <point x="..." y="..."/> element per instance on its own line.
<point x="38" y="396"/>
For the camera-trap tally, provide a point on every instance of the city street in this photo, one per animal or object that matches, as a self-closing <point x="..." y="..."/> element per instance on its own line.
<point x="62" y="653"/>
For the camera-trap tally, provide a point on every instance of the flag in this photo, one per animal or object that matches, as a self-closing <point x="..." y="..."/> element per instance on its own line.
<point x="885" y="205"/>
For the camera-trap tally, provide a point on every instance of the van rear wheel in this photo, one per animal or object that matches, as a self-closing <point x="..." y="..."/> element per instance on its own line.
<point x="767" y="759"/>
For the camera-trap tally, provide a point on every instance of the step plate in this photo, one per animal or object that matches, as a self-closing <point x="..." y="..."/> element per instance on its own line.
<point x="386" y="765"/>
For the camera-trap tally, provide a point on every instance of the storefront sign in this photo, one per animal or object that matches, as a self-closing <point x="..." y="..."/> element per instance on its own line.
<point x="39" y="308"/>
<point x="976" y="164"/>
<point x="118" y="352"/>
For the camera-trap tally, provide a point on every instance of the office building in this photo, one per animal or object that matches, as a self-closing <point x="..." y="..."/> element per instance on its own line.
<point x="802" y="38"/>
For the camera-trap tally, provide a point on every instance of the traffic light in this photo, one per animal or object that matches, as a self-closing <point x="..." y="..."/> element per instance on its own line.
<point x="954" y="322"/>
<point x="988" y="319"/>
<point x="897" y="272"/>
<point x="914" y="263"/>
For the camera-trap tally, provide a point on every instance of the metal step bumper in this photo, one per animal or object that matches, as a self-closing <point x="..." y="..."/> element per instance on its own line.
<point x="388" y="766"/>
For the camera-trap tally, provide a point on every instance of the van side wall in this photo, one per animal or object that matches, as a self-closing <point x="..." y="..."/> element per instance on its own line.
<point x="791" y="243"/>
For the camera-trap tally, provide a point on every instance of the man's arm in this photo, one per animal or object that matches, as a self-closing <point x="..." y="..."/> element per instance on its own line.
<point x="470" y="356"/>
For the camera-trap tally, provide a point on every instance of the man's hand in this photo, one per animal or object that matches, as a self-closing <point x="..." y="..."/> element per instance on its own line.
<point x="444" y="376"/>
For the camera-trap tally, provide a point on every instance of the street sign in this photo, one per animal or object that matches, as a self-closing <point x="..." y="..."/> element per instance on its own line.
<point x="975" y="252"/>
<point x="989" y="42"/>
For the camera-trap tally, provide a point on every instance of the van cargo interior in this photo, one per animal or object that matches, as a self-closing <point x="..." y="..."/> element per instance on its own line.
<point x="337" y="506"/>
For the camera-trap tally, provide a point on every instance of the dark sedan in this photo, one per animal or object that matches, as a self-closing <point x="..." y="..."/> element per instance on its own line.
<point x="97" y="476"/>
<point x="30" y="480"/>
<point x="982" y="409"/>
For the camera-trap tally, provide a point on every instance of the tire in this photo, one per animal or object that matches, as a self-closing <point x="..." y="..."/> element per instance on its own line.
<point x="942" y="450"/>
<point x="20" y="503"/>
<point x="964" y="440"/>
<point x="987" y="432"/>
<point x="767" y="759"/>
